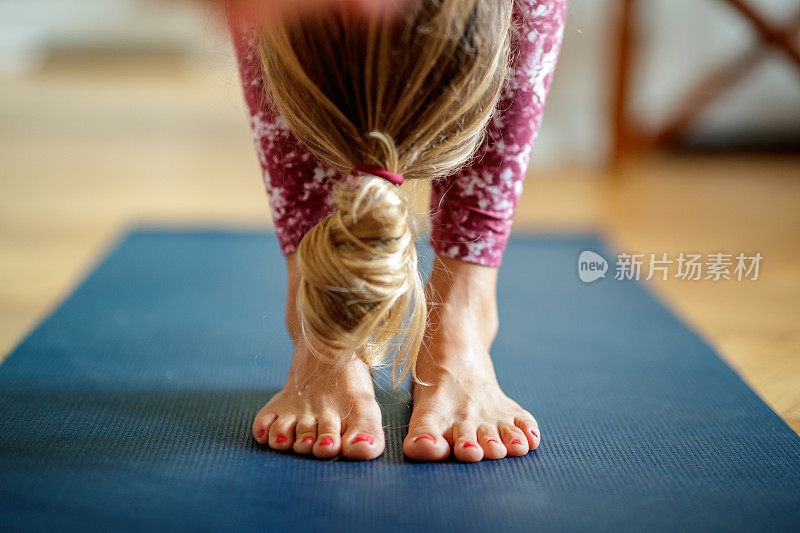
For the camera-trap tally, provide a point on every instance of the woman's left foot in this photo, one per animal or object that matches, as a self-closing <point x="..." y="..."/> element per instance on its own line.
<point x="461" y="408"/>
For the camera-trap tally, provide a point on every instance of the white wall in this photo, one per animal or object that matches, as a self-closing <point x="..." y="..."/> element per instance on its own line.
<point x="680" y="40"/>
<point x="29" y="27"/>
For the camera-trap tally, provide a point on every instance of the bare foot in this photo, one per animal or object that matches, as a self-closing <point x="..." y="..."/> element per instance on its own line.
<point x="462" y="409"/>
<point x="324" y="408"/>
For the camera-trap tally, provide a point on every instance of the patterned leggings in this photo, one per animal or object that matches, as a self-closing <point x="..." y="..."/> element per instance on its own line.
<point x="471" y="210"/>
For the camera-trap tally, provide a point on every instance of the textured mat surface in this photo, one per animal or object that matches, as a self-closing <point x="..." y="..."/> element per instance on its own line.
<point x="130" y="408"/>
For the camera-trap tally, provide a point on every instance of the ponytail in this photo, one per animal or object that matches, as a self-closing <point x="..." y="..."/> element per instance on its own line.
<point x="410" y="94"/>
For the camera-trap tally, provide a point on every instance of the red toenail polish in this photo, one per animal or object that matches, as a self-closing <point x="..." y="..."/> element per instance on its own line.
<point x="469" y="445"/>
<point x="534" y="434"/>
<point x="430" y="438"/>
<point x="516" y="441"/>
<point x="326" y="442"/>
<point x="492" y="440"/>
<point x="280" y="440"/>
<point x="362" y="438"/>
<point x="261" y="433"/>
<point x="308" y="438"/>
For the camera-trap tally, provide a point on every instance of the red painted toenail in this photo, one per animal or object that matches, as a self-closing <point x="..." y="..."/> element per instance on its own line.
<point x="326" y="442"/>
<point x="534" y="433"/>
<point x="492" y="440"/>
<point x="308" y="438"/>
<point x="362" y="438"/>
<point x="430" y="438"/>
<point x="516" y="441"/>
<point x="261" y="433"/>
<point x="469" y="445"/>
<point x="280" y="439"/>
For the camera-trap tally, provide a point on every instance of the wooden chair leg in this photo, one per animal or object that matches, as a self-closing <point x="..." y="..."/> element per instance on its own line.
<point x="627" y="135"/>
<point x="712" y="87"/>
<point x="781" y="40"/>
<point x="621" y="124"/>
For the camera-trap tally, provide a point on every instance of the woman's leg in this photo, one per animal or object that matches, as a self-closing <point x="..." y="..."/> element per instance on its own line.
<point x="462" y="408"/>
<point x="323" y="409"/>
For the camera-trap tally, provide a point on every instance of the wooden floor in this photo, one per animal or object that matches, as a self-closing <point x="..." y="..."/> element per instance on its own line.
<point x="89" y="147"/>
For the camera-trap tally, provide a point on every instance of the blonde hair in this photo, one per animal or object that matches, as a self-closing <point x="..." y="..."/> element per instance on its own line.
<point x="411" y="93"/>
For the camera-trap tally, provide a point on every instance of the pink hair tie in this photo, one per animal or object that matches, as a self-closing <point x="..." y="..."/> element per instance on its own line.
<point x="396" y="179"/>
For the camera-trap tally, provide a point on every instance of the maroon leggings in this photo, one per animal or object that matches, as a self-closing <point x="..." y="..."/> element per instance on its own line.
<point x="471" y="210"/>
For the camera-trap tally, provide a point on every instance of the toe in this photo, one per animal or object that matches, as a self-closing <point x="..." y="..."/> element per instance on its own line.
<point x="363" y="440"/>
<point x="514" y="439"/>
<point x="281" y="433"/>
<point x="465" y="443"/>
<point x="489" y="439"/>
<point x="426" y="444"/>
<point x="261" y="426"/>
<point x="425" y="441"/>
<point x="329" y="442"/>
<point x="530" y="428"/>
<point x="305" y="434"/>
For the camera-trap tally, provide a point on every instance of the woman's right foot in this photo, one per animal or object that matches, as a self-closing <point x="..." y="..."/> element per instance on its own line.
<point x="326" y="408"/>
<point x="323" y="409"/>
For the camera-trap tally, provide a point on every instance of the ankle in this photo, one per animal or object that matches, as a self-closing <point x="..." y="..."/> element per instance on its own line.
<point x="462" y="297"/>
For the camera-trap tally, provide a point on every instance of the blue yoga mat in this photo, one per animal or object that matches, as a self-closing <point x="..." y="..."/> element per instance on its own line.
<point x="130" y="408"/>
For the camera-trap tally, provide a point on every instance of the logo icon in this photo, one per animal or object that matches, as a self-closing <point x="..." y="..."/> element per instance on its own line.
<point x="591" y="266"/>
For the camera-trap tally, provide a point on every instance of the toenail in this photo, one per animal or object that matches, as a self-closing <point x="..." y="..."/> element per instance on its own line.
<point x="469" y="445"/>
<point x="261" y="433"/>
<point x="430" y="438"/>
<point x="516" y="441"/>
<point x="280" y="440"/>
<point x="492" y="440"/>
<point x="362" y="438"/>
<point x="308" y="438"/>
<point x="326" y="442"/>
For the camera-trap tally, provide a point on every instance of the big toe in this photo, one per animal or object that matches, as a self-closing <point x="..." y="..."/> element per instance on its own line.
<point x="363" y="441"/>
<point x="425" y="443"/>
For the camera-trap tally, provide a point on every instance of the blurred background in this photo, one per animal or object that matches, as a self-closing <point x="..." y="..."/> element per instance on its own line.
<point x="672" y="126"/>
